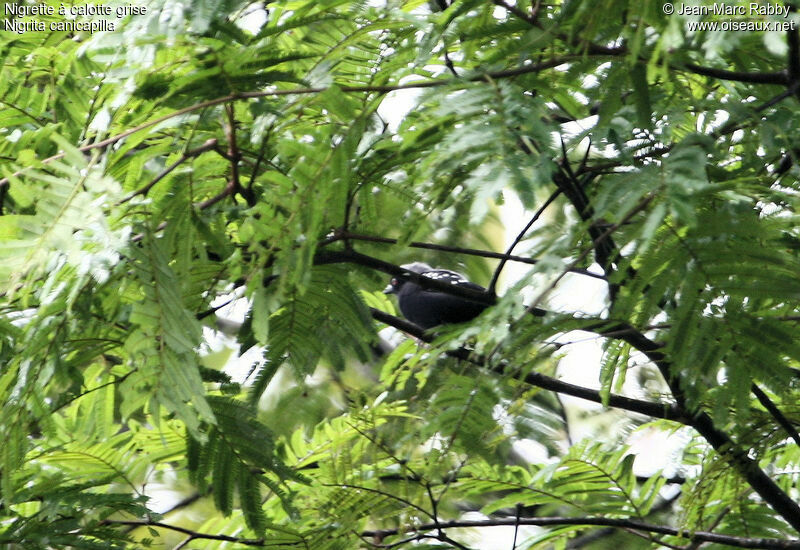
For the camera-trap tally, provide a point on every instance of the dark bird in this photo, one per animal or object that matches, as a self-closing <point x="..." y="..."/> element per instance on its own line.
<point x="429" y="308"/>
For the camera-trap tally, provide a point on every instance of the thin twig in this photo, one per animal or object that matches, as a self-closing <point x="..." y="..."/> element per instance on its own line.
<point x="641" y="526"/>
<point x="776" y="413"/>
<point x="508" y="73"/>
<point x="613" y="227"/>
<point x="507" y="256"/>
<point x="189" y="532"/>
<point x="346" y="235"/>
<point x="197" y="151"/>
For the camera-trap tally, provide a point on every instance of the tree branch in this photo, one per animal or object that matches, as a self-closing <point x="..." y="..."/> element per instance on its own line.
<point x="346" y="235"/>
<point x="777" y="77"/>
<point x="727" y="448"/>
<point x="647" y="408"/>
<point x="702" y="536"/>
<point x="189" y="532"/>
<point x="197" y="151"/>
<point x="794" y="49"/>
<point x="508" y="73"/>
<point x="351" y="256"/>
<point x="701" y="422"/>
<point x="776" y="413"/>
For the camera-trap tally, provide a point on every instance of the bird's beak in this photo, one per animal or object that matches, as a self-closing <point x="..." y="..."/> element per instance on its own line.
<point x="392" y="287"/>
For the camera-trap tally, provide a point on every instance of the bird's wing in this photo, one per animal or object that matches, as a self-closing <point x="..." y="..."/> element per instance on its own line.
<point x="446" y="276"/>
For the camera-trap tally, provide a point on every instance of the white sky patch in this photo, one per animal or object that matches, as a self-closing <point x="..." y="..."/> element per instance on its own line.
<point x="232" y="315"/>
<point x="397" y="104"/>
<point x="253" y="19"/>
<point x="492" y="538"/>
<point x="657" y="450"/>
<point x="531" y="451"/>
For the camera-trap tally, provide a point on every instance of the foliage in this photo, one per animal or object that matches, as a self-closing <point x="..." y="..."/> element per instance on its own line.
<point x="213" y="153"/>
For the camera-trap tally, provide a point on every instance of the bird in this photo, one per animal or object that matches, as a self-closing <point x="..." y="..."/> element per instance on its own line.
<point x="429" y="308"/>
